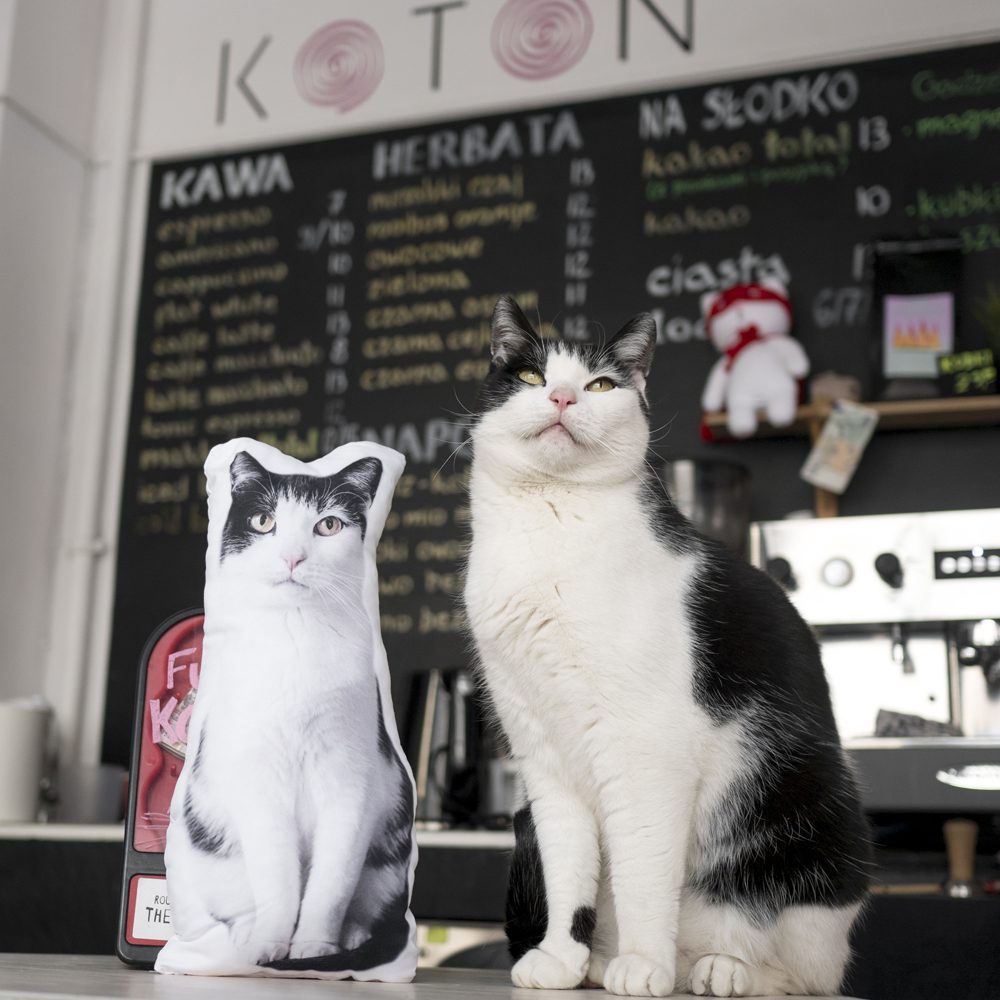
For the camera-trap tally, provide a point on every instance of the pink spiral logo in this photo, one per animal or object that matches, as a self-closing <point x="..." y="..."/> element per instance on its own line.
<point x="537" y="39"/>
<point x="340" y="65"/>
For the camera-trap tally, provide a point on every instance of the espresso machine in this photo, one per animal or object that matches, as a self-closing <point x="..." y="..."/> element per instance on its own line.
<point x="906" y="608"/>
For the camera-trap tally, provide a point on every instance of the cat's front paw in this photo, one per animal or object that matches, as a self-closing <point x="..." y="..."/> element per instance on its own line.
<point x="541" y="970"/>
<point x="354" y="936"/>
<point x="721" y="976"/>
<point x="271" y="951"/>
<point x="301" y="949"/>
<point x="311" y="949"/>
<point x="245" y="937"/>
<point x="638" y="976"/>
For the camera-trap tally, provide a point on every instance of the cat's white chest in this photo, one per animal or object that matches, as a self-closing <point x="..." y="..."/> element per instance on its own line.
<point x="578" y="614"/>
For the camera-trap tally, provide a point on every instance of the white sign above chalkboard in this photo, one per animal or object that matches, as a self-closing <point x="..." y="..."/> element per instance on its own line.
<point x="238" y="72"/>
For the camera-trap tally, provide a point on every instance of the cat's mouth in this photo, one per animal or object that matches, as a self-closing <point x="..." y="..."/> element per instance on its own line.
<point x="556" y="430"/>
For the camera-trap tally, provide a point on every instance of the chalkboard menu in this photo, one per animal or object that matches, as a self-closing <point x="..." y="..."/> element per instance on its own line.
<point x="318" y="293"/>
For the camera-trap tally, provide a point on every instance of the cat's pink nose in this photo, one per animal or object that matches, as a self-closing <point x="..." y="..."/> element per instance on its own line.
<point x="562" y="398"/>
<point x="293" y="561"/>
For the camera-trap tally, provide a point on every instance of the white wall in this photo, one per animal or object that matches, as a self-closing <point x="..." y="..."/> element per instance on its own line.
<point x="43" y="184"/>
<point x="49" y="65"/>
<point x="187" y="75"/>
<point x="63" y="170"/>
<point x="91" y="89"/>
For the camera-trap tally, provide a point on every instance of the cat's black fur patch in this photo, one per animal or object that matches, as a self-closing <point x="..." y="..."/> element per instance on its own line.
<point x="794" y="827"/>
<point x="199" y="756"/>
<point x="201" y="836"/>
<point x="392" y="845"/>
<point x="584" y="925"/>
<point x="670" y="527"/>
<point x="385" y="747"/>
<point x="255" y="490"/>
<point x="527" y="912"/>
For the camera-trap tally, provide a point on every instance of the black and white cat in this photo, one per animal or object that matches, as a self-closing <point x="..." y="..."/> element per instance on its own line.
<point x="693" y="823"/>
<point x="290" y="839"/>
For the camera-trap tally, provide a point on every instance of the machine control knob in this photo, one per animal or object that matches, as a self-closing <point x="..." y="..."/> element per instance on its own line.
<point x="888" y="566"/>
<point x="780" y="569"/>
<point x="837" y="572"/>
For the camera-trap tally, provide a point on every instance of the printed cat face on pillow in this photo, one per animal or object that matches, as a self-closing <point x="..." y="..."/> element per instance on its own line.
<point x="296" y="539"/>
<point x="549" y="409"/>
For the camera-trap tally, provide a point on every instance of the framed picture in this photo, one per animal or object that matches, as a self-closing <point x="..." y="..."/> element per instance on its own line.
<point x="916" y="287"/>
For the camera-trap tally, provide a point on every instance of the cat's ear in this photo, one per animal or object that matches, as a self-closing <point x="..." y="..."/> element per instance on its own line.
<point x="512" y="333"/>
<point x="632" y="346"/>
<point x="245" y="469"/>
<point x="364" y="475"/>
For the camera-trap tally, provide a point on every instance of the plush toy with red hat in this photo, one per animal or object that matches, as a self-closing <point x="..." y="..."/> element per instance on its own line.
<point x="761" y="364"/>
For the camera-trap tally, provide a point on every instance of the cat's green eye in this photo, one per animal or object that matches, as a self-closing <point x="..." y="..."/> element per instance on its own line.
<point x="262" y="522"/>
<point x="530" y="376"/>
<point x="328" y="526"/>
<point x="601" y="384"/>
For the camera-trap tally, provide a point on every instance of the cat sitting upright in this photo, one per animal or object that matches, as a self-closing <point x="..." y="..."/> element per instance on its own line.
<point x="692" y="820"/>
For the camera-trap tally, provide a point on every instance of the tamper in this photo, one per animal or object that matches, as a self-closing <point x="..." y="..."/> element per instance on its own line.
<point x="960" y="843"/>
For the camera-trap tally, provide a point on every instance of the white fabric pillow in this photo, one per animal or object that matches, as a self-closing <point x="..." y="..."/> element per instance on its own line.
<point x="290" y="849"/>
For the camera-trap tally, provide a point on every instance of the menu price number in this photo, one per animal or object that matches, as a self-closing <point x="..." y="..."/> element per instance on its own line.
<point x="579" y="240"/>
<point x="872" y="201"/>
<point x="873" y="134"/>
<point x="839" y="307"/>
<point x="325" y="232"/>
<point x="968" y="373"/>
<point x="980" y="237"/>
<point x="331" y="230"/>
<point x="337" y="231"/>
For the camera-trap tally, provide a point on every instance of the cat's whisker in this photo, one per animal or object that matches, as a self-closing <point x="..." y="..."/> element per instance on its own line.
<point x="451" y="455"/>
<point x="658" y="434"/>
<point x="465" y="410"/>
<point x="538" y="318"/>
<point x="334" y="583"/>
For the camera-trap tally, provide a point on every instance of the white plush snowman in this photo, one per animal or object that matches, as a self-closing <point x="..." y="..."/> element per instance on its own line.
<point x="760" y="364"/>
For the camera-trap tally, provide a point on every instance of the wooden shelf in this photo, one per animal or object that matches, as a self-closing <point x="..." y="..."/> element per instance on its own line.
<point x="895" y="415"/>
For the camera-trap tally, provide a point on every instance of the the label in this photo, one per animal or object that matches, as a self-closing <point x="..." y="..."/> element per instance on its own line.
<point x="148" y="910"/>
<point x="968" y="373"/>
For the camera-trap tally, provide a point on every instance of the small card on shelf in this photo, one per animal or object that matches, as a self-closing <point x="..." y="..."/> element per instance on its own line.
<point x="839" y="447"/>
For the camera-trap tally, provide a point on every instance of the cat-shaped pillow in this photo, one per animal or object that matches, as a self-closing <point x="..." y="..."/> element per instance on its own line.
<point x="290" y="849"/>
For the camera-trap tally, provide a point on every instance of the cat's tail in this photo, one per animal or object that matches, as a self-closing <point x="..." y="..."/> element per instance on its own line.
<point x="390" y="936"/>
